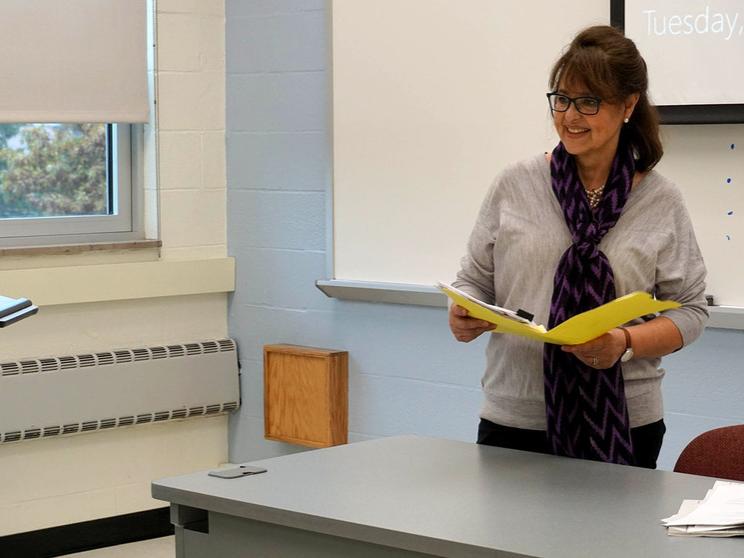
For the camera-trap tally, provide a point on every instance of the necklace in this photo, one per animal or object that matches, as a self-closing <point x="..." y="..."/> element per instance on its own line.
<point x="594" y="196"/>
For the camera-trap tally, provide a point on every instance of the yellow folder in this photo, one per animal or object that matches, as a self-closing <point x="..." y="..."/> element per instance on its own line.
<point x="574" y="331"/>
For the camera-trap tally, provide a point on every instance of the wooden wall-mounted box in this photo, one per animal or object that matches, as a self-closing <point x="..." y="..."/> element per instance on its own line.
<point x="306" y="395"/>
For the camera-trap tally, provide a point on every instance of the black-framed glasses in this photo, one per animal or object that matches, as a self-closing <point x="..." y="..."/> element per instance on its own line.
<point x="585" y="105"/>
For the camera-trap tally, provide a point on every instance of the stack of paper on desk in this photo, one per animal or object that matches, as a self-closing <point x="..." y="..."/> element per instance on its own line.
<point x="720" y="514"/>
<point x="578" y="329"/>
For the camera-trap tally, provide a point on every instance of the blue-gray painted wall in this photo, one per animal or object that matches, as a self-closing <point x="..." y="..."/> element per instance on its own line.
<point x="406" y="373"/>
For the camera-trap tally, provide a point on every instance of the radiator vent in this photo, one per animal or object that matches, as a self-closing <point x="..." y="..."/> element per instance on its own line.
<point x="30" y="366"/>
<point x="178" y="413"/>
<point x="73" y="394"/>
<point x="122" y="356"/>
<point x="49" y="364"/>
<point x="52" y="431"/>
<point x="176" y="350"/>
<point x="105" y="358"/>
<point x="118" y="356"/>
<point x="89" y="426"/>
<point x="67" y="362"/>
<point x="9" y="368"/>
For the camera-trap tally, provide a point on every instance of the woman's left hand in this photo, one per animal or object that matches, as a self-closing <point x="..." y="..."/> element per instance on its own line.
<point x="600" y="353"/>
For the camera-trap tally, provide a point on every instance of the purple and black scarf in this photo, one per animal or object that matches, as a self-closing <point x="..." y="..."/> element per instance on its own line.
<point x="587" y="414"/>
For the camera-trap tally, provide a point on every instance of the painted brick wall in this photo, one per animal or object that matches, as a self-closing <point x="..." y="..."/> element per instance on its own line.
<point x="58" y="481"/>
<point x="406" y="373"/>
<point x="191" y="127"/>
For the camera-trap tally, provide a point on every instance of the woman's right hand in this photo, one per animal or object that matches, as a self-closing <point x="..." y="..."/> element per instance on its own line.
<point x="465" y="328"/>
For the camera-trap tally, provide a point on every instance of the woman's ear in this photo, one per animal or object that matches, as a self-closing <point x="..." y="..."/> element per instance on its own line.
<point x="630" y="103"/>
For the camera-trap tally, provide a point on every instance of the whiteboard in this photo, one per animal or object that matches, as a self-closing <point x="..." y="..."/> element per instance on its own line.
<point x="432" y="98"/>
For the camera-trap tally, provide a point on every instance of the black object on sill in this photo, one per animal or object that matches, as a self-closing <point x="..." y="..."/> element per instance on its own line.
<point x="13" y="310"/>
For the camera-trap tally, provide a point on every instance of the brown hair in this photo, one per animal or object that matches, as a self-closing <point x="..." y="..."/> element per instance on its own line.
<point x="606" y="62"/>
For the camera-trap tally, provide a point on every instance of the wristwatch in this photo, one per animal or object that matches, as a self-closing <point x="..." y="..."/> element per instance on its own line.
<point x="628" y="354"/>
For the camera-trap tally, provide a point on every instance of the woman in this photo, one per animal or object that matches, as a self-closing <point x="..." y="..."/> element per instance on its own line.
<point x="560" y="234"/>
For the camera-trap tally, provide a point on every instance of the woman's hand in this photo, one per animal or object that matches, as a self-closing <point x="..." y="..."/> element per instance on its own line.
<point x="465" y="328"/>
<point x="600" y="353"/>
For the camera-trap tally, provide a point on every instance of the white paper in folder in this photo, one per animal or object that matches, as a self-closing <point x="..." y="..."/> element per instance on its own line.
<point x="721" y="513"/>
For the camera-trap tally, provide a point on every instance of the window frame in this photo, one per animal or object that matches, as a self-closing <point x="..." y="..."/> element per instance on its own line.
<point x="126" y="223"/>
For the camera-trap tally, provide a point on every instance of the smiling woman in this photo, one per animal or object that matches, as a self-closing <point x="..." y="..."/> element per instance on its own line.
<point x="575" y="247"/>
<point x="586" y="132"/>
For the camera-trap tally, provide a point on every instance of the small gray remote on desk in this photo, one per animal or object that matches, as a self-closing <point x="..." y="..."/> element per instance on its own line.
<point x="236" y="472"/>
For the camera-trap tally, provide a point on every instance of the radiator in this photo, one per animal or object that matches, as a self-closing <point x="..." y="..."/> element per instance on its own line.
<point x="65" y="395"/>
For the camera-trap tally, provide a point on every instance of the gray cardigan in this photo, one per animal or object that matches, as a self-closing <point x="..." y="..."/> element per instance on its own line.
<point x="512" y="254"/>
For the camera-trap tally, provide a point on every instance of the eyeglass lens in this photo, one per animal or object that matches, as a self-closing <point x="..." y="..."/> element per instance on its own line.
<point x="585" y="105"/>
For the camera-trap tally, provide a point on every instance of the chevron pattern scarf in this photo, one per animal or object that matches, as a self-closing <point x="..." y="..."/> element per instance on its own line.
<point x="586" y="410"/>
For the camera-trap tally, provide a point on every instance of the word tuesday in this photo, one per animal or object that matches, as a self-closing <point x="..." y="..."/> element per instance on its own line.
<point x="689" y="24"/>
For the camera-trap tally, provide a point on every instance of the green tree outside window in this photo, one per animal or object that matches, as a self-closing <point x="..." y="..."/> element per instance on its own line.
<point x="53" y="170"/>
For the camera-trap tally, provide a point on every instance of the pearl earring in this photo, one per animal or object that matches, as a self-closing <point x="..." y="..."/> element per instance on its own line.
<point x="626" y="120"/>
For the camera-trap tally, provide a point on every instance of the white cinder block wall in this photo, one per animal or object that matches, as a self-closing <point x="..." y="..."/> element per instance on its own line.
<point x="53" y="482"/>
<point x="191" y="92"/>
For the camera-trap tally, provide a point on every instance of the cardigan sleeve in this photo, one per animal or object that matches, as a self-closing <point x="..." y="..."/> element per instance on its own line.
<point x="680" y="276"/>
<point x="477" y="266"/>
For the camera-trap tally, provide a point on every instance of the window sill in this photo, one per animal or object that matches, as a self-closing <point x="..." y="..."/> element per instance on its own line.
<point x="119" y="281"/>
<point x="67" y="249"/>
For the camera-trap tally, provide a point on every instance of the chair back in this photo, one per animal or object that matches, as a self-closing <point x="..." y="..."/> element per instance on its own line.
<point x="716" y="453"/>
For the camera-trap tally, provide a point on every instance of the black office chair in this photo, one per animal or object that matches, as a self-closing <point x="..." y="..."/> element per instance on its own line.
<point x="716" y="453"/>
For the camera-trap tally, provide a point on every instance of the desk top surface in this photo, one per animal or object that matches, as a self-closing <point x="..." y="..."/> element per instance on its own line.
<point x="452" y="498"/>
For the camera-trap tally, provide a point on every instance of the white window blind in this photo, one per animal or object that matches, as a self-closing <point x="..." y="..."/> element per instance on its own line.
<point x="73" y="61"/>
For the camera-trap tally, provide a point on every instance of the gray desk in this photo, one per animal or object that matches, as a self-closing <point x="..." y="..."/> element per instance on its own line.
<point x="409" y="496"/>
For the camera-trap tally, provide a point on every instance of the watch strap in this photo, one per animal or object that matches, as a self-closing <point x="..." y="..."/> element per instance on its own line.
<point x="627" y="338"/>
<point x="628" y="353"/>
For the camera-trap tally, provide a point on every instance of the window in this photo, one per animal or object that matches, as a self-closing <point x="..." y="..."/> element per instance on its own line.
<point x="66" y="183"/>
<point x="64" y="179"/>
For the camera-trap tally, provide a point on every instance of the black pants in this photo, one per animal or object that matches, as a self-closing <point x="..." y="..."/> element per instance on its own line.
<point x="646" y="440"/>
